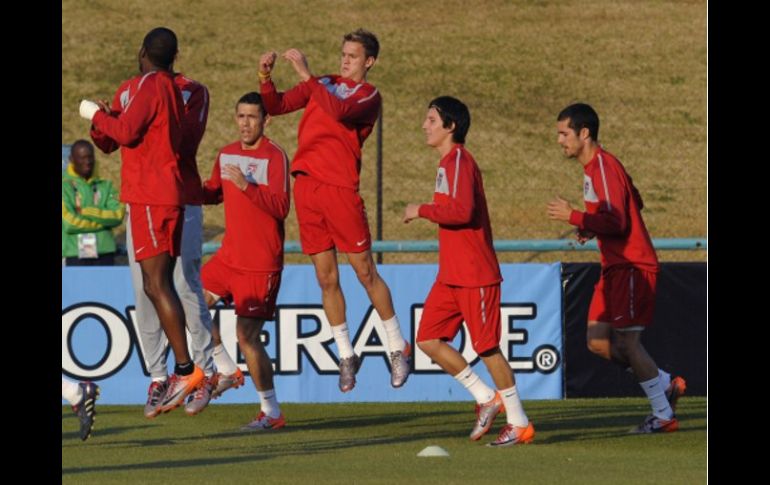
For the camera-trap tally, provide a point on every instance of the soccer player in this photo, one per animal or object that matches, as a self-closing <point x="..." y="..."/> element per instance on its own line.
<point x="340" y="112"/>
<point x="82" y="396"/>
<point x="187" y="266"/>
<point x="147" y="126"/>
<point x="467" y="286"/>
<point x="251" y="177"/>
<point x="624" y="298"/>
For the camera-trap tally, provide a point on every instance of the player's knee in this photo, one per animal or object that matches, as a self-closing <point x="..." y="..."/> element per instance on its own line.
<point x="627" y="343"/>
<point x="600" y="347"/>
<point x="429" y="347"/>
<point x="328" y="280"/>
<point x="245" y="338"/>
<point x="366" y="275"/>
<point x="152" y="288"/>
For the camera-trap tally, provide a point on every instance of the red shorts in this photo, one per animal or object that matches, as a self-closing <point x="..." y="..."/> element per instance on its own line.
<point x="447" y="306"/>
<point x="624" y="297"/>
<point x="329" y="217"/>
<point x="254" y="293"/>
<point x="156" y="229"/>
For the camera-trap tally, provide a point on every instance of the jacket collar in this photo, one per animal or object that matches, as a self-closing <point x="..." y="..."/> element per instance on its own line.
<point x="72" y="173"/>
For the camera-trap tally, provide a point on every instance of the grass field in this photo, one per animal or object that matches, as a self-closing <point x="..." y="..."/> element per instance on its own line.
<point x="515" y="63"/>
<point x="577" y="441"/>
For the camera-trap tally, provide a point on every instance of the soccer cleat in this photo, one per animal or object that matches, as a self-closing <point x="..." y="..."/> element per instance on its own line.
<point x="348" y="369"/>
<point x="155" y="394"/>
<point x="512" y="435"/>
<point x="653" y="424"/>
<point x="86" y="408"/>
<point x="485" y="416"/>
<point x="198" y="400"/>
<point x="675" y="390"/>
<point x="264" y="422"/>
<point x="400" y="366"/>
<point x="234" y="380"/>
<point x="179" y="387"/>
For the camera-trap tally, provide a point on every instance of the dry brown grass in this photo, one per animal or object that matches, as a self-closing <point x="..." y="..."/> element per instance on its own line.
<point x="642" y="65"/>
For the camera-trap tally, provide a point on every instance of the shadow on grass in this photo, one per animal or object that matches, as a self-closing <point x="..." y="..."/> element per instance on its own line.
<point x="567" y="422"/>
<point x="116" y="430"/>
<point x="268" y="449"/>
<point x="68" y="413"/>
<point x="600" y="429"/>
<point x="164" y="464"/>
<point x="345" y="422"/>
<point x="608" y="422"/>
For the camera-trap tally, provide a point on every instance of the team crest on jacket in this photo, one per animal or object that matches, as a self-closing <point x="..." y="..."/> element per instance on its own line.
<point x="124" y="97"/>
<point x="589" y="194"/>
<point x="254" y="169"/>
<point x="340" y="90"/>
<point x="442" y="185"/>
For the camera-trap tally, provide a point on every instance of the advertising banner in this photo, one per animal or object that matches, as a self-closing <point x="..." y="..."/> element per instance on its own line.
<point x="99" y="336"/>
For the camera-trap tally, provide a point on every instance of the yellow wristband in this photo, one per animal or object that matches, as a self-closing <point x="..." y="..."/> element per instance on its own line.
<point x="263" y="76"/>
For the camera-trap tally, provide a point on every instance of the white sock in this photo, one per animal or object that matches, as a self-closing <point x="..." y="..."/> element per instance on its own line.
<point x="513" y="408"/>
<point x="71" y="391"/>
<point x="342" y="339"/>
<point x="665" y="378"/>
<point x="223" y="362"/>
<point x="657" y="396"/>
<point x="480" y="391"/>
<point x="395" y="339"/>
<point x="269" y="403"/>
<point x="160" y="379"/>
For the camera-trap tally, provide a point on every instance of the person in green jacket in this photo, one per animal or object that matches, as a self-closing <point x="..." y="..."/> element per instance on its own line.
<point x="89" y="210"/>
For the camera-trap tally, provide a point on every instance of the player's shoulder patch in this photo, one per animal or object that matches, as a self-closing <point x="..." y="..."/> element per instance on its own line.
<point x="589" y="194"/>
<point x="442" y="184"/>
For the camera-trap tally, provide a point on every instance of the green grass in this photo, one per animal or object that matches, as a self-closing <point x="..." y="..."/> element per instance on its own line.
<point x="642" y="65"/>
<point x="577" y="441"/>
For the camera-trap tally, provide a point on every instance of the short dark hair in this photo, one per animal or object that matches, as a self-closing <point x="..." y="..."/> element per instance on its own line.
<point x="252" y="98"/>
<point x="79" y="143"/>
<point x="160" y="44"/>
<point x="452" y="110"/>
<point x="366" y="39"/>
<point x="581" y="116"/>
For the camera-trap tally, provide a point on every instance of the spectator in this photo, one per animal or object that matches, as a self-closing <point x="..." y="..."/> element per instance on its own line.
<point x="89" y="210"/>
